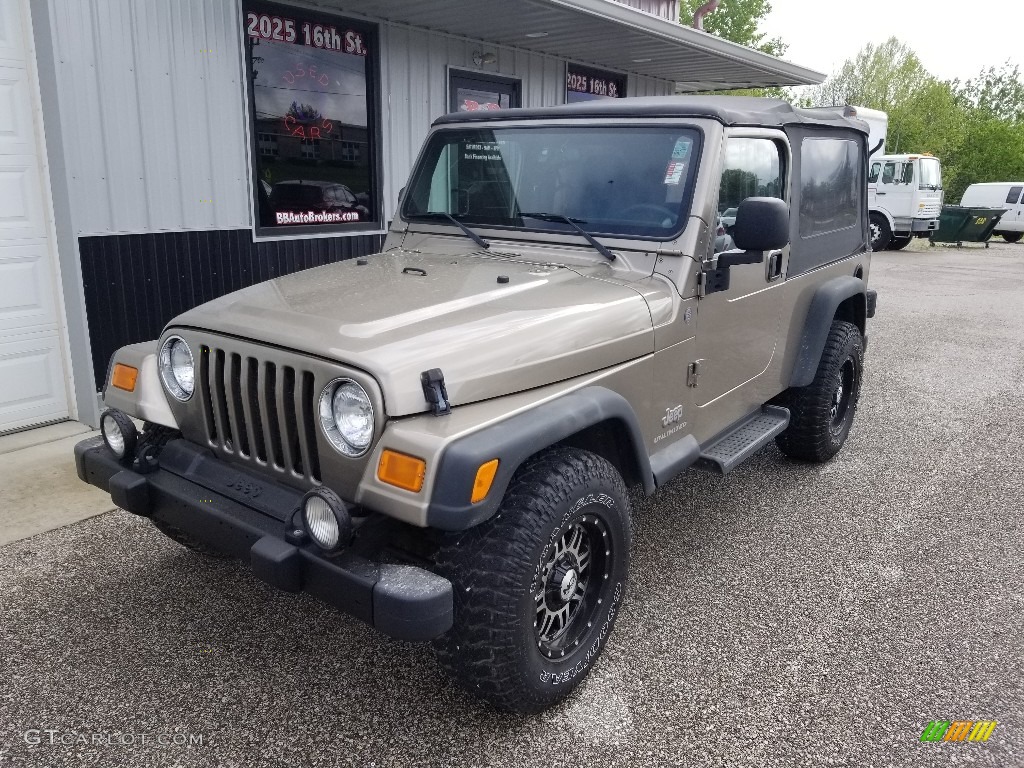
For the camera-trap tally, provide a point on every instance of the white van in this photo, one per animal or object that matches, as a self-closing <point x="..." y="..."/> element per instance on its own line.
<point x="1001" y="194"/>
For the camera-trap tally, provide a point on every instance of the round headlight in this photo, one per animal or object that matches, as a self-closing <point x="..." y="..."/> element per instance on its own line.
<point x="346" y="416"/>
<point x="119" y="433"/>
<point x="326" y="518"/>
<point x="177" y="368"/>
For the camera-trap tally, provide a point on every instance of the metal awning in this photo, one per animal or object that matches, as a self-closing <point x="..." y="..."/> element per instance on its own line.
<point x="603" y="33"/>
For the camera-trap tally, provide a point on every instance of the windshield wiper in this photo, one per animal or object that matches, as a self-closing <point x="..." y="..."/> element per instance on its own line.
<point x="469" y="232"/>
<point x="575" y="224"/>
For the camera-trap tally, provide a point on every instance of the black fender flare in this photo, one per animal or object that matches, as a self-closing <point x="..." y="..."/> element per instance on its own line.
<point x="824" y="304"/>
<point x="515" y="439"/>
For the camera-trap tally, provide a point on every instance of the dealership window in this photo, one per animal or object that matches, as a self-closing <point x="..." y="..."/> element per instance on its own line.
<point x="314" y="116"/>
<point x="586" y="84"/>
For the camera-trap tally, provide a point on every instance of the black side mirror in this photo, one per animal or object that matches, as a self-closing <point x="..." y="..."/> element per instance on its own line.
<point x="762" y="224"/>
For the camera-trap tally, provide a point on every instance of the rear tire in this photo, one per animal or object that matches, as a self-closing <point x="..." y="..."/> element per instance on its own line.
<point x="187" y="541"/>
<point x="1012" y="237"/>
<point x="821" y="414"/>
<point x="899" y="243"/>
<point x="881" y="234"/>
<point x="538" y="586"/>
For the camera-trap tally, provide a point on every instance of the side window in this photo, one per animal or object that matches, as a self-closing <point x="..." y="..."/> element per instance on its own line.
<point x="876" y="168"/>
<point x="753" y="168"/>
<point x="908" y="174"/>
<point x="1014" y="195"/>
<point x="830" y="197"/>
<point x="889" y="173"/>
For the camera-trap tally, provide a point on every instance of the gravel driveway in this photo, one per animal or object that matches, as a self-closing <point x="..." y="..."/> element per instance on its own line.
<point x="787" y="615"/>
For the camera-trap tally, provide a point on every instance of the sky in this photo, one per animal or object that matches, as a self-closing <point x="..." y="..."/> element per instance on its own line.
<point x="953" y="40"/>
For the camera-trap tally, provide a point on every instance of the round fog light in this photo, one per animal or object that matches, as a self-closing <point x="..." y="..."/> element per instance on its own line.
<point x="119" y="433"/>
<point x="326" y="519"/>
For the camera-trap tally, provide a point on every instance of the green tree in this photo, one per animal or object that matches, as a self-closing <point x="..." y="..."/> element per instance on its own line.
<point x="736" y="20"/>
<point x="998" y="92"/>
<point x="878" y="77"/>
<point x="993" y="150"/>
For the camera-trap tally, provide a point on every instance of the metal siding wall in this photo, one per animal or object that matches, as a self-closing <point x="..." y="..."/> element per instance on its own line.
<point x="640" y="85"/>
<point x="153" y="120"/>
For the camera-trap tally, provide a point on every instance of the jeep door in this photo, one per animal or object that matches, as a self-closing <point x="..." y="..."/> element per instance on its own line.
<point x="737" y="328"/>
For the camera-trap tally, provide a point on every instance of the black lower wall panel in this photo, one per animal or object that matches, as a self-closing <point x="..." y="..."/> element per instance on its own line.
<point x="135" y="284"/>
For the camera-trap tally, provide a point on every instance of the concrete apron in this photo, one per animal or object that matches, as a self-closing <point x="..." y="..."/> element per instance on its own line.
<point x="39" y="489"/>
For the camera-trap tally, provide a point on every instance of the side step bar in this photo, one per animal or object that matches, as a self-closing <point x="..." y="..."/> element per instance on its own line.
<point x="743" y="441"/>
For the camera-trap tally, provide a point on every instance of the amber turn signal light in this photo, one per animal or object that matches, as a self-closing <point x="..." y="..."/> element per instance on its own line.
<point x="484" y="478"/>
<point x="402" y="470"/>
<point x="124" y="377"/>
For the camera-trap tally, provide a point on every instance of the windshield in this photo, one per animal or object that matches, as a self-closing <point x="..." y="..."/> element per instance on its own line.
<point x="627" y="180"/>
<point x="931" y="174"/>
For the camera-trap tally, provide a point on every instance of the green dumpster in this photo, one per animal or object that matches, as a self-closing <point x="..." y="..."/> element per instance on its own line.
<point x="961" y="224"/>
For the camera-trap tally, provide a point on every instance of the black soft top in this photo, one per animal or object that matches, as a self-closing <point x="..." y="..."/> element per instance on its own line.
<point x="728" y="110"/>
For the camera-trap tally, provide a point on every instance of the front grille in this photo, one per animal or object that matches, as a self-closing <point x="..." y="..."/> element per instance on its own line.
<point x="259" y="411"/>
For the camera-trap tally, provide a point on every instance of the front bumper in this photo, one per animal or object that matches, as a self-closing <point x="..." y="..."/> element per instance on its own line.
<point x="245" y="515"/>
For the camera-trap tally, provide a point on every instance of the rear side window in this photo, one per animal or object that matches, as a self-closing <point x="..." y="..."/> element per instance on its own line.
<point x="1014" y="196"/>
<point x="876" y="168"/>
<point x="829" y="186"/>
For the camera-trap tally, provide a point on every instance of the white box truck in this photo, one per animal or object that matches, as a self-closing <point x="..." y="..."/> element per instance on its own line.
<point x="904" y="191"/>
<point x="1008" y="195"/>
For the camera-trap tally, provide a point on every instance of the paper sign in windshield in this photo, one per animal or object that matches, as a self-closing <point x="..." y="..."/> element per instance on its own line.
<point x="674" y="172"/>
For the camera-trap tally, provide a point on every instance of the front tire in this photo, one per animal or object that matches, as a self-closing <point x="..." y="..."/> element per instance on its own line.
<point x="539" y="586"/>
<point x="1011" y="237"/>
<point x="821" y="414"/>
<point x="881" y="233"/>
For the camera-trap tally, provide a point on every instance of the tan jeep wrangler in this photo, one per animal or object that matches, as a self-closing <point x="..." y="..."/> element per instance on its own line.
<point x="438" y="439"/>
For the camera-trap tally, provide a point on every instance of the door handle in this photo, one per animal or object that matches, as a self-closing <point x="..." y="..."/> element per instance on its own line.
<point x="774" y="269"/>
<point x="881" y="193"/>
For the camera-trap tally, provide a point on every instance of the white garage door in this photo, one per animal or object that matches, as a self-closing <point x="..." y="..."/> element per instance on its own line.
<point x="33" y="387"/>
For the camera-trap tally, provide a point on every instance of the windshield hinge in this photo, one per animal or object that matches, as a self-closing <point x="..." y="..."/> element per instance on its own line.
<point x="435" y="391"/>
<point x="693" y="373"/>
<point x="712" y="281"/>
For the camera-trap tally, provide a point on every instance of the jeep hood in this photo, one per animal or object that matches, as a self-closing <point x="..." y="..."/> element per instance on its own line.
<point x="493" y="326"/>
